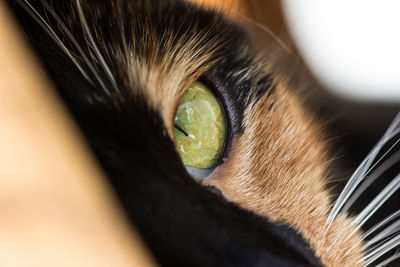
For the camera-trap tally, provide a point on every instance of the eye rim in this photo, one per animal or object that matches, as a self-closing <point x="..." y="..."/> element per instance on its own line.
<point x="219" y="96"/>
<point x="226" y="103"/>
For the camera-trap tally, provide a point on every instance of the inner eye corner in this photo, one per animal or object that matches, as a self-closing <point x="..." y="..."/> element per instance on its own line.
<point x="200" y="129"/>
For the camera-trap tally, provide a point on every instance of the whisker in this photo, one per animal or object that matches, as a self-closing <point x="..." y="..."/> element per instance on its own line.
<point x="378" y="244"/>
<point x="95" y="47"/>
<point x="351" y="184"/>
<point x="389" y="260"/>
<point x="127" y="51"/>
<point x="364" y="168"/>
<point x="382" y="250"/>
<point x="46" y="27"/>
<point x="378" y="201"/>
<point x="374" y="229"/>
<point x="381" y="223"/>
<point x="68" y="33"/>
<point x="390" y="230"/>
<point x="372" y="178"/>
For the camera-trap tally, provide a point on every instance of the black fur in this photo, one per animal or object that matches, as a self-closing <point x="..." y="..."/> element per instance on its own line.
<point x="182" y="223"/>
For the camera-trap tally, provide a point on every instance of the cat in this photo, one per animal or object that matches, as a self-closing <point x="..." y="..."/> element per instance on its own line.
<point x="122" y="68"/>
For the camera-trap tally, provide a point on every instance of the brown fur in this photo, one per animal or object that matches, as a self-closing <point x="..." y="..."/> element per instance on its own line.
<point x="165" y="81"/>
<point x="276" y="169"/>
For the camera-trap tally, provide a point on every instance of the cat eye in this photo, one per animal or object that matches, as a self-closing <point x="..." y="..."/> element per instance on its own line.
<point x="199" y="130"/>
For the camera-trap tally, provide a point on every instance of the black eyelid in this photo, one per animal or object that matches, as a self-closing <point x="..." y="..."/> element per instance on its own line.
<point x="227" y="106"/>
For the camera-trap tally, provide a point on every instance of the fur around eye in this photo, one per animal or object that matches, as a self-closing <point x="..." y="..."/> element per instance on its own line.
<point x="120" y="66"/>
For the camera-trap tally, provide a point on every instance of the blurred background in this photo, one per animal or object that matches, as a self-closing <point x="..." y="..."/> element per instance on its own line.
<point x="344" y="56"/>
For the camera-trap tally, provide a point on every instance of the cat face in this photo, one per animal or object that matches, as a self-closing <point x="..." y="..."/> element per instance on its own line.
<point x="122" y="68"/>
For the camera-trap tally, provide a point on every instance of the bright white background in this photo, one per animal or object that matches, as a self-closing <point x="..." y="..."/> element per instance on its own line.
<point x="351" y="46"/>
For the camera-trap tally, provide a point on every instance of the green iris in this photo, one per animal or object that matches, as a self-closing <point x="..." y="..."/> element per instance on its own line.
<point x="199" y="127"/>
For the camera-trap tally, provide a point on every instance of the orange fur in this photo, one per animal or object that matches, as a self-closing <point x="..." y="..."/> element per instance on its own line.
<point x="165" y="81"/>
<point x="227" y="6"/>
<point x="276" y="169"/>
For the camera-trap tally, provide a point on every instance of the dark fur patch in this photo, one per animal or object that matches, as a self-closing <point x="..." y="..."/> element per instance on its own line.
<point x="181" y="222"/>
